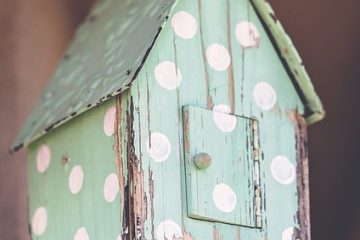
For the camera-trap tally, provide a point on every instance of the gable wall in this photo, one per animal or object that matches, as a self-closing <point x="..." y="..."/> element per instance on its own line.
<point x="158" y="108"/>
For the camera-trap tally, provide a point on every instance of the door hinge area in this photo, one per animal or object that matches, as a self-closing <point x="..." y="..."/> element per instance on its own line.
<point x="256" y="157"/>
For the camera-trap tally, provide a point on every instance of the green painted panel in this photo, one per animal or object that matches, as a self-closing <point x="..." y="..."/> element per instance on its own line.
<point x="73" y="183"/>
<point x="209" y="195"/>
<point x="189" y="79"/>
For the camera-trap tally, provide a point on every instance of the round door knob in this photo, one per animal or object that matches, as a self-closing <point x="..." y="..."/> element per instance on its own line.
<point x="202" y="160"/>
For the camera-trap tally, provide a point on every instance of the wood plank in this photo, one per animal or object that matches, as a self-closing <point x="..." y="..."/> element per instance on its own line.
<point x="82" y="143"/>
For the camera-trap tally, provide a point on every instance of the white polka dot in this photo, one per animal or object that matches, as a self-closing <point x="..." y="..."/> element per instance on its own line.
<point x="119" y="237"/>
<point x="290" y="233"/>
<point x="218" y="57"/>
<point x="39" y="221"/>
<point x="81" y="234"/>
<point x="76" y="179"/>
<point x="247" y="34"/>
<point x="224" y="198"/>
<point x="168" y="230"/>
<point x="43" y="158"/>
<point x="265" y="96"/>
<point x="167" y="75"/>
<point x="158" y="146"/>
<point x="111" y="187"/>
<point x="283" y="170"/>
<point x="184" y="25"/>
<point x="223" y="120"/>
<point x="109" y="121"/>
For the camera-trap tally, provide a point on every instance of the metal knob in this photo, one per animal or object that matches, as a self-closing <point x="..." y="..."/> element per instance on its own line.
<point x="202" y="160"/>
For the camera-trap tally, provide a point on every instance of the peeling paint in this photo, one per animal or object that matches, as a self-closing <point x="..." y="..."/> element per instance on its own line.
<point x="231" y="81"/>
<point x="302" y="172"/>
<point x="187" y="236"/>
<point x="152" y="210"/>
<point x="216" y="234"/>
<point x="65" y="159"/>
<point x="135" y="182"/>
<point x="186" y="135"/>
<point x="118" y="138"/>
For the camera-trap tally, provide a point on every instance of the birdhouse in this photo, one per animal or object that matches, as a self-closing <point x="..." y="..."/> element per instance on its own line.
<point x="173" y="120"/>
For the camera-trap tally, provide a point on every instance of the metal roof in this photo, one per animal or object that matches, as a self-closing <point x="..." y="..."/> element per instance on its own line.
<point x="109" y="50"/>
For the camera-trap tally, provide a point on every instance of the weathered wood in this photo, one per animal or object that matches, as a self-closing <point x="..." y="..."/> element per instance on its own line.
<point x="302" y="174"/>
<point x="156" y="113"/>
<point x="207" y="66"/>
<point x="233" y="162"/>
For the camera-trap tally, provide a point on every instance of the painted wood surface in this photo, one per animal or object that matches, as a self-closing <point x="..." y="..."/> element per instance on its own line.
<point x="250" y="81"/>
<point x="220" y="60"/>
<point x="228" y="140"/>
<point x="73" y="180"/>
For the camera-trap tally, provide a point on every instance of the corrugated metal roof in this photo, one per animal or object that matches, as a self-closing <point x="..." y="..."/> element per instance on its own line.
<point x="109" y="50"/>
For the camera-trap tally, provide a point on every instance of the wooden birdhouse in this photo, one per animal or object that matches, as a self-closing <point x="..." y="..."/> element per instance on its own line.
<point x="173" y="120"/>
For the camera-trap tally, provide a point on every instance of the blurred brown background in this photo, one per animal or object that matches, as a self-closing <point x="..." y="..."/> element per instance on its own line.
<point x="35" y="33"/>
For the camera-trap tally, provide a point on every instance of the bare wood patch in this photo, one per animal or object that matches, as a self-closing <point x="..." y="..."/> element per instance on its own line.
<point x="187" y="236"/>
<point x="231" y="82"/>
<point x="302" y="174"/>
<point x="118" y="150"/>
<point x="152" y="211"/>
<point x="136" y="203"/>
<point x="238" y="233"/>
<point x="216" y="234"/>
<point x="186" y="135"/>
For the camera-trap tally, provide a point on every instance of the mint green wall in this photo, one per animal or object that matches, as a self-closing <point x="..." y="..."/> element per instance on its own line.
<point x="75" y="201"/>
<point x="160" y="106"/>
<point x="153" y="171"/>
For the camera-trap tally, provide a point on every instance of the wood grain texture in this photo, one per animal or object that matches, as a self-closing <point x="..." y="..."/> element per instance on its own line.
<point x="159" y="110"/>
<point x="232" y="162"/>
<point x="150" y="151"/>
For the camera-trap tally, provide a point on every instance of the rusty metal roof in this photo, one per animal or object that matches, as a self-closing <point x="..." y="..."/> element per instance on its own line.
<point x="109" y="50"/>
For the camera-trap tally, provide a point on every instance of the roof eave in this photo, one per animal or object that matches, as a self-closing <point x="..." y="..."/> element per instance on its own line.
<point x="314" y="110"/>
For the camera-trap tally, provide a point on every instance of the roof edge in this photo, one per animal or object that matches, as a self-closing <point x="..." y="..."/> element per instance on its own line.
<point x="16" y="147"/>
<point x="314" y="108"/>
<point x="315" y="117"/>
